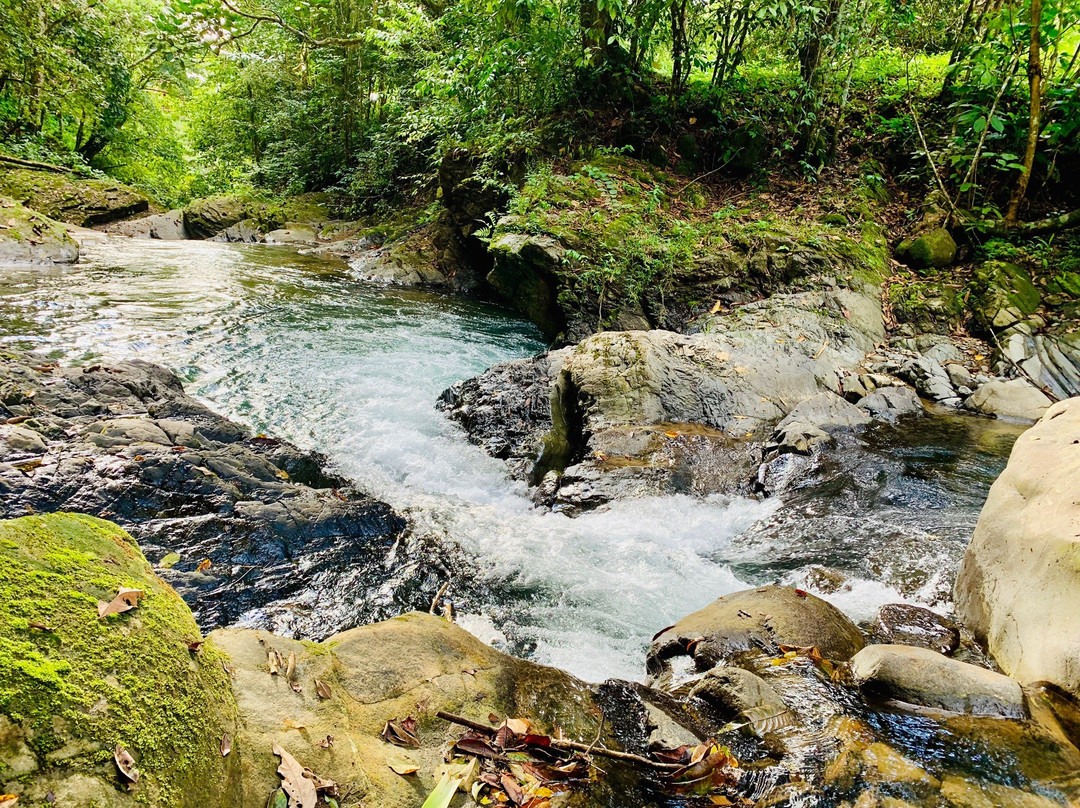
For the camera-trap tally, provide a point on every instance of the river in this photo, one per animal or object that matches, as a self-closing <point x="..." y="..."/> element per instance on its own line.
<point x="300" y="348"/>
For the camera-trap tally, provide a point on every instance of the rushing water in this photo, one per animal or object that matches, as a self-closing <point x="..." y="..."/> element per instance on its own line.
<point x="298" y="347"/>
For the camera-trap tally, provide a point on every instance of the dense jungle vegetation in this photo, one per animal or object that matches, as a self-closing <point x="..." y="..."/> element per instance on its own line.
<point x="975" y="100"/>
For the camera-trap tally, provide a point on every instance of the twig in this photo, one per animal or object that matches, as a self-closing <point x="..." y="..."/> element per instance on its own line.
<point x="599" y="732"/>
<point x="438" y="596"/>
<point x="1041" y="387"/>
<point x="569" y="745"/>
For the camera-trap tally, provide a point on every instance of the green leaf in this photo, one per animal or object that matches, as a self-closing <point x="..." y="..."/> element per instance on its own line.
<point x="441" y="795"/>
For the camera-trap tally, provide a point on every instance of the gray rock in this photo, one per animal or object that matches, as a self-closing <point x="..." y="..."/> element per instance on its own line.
<point x="755" y="621"/>
<point x="1015" y="398"/>
<point x="892" y="403"/>
<point x="741" y="695"/>
<point x="164" y="226"/>
<point x="27" y="237"/>
<point x="959" y="375"/>
<point x="904" y="624"/>
<point x="924" y="677"/>
<point x="247" y="231"/>
<point x="929" y="378"/>
<point x="293" y="233"/>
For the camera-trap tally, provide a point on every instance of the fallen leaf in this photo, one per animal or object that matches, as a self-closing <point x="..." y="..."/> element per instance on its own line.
<point x="125" y="600"/>
<point x="280" y="799"/>
<point x="290" y="666"/>
<point x="401" y="732"/>
<point x="478" y="747"/>
<point x="39" y="626"/>
<point x="226" y="745"/>
<point x="301" y="789"/>
<point x="513" y="789"/>
<point x="322" y="689"/>
<point x="273" y="660"/>
<point x="441" y="795"/>
<point x="125" y="763"/>
<point x="7" y="800"/>
<point x="297" y="687"/>
<point x="402" y="766"/>
<point x="194" y="645"/>
<point x="291" y="724"/>
<point x="204" y="565"/>
<point x="518" y="726"/>
<point x="327" y="743"/>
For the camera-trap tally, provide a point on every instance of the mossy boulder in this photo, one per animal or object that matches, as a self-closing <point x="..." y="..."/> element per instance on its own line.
<point x="82" y="201"/>
<point x="29" y="237"/>
<point x="929" y="306"/>
<point x="1002" y="295"/>
<point x="73" y="687"/>
<point x="205" y="218"/>
<point x="1065" y="282"/>
<point x="935" y="249"/>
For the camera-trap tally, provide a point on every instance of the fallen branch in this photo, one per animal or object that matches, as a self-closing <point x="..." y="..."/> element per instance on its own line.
<point x="560" y="743"/>
<point x="1051" y="224"/>
<point x="17" y="161"/>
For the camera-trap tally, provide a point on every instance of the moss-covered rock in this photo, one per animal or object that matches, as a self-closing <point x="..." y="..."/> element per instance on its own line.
<point x="81" y="201"/>
<point x="1002" y="295"/>
<point x="935" y="248"/>
<point x="73" y="686"/>
<point x="29" y="237"/>
<point x="205" y="218"/>
<point x="930" y="306"/>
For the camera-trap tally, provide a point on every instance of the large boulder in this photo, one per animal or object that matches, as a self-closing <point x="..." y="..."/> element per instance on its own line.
<point x="413" y="665"/>
<point x="293" y="233"/>
<point x="925" y="677"/>
<point x="124" y="441"/>
<point x="757" y="620"/>
<point x="75" y="687"/>
<point x="934" y="249"/>
<point x="205" y="218"/>
<point x="1018" y="587"/>
<point x="167" y="226"/>
<point x="27" y="237"/>
<point x="1013" y="398"/>
<point x="525" y="275"/>
<point x="82" y="201"/>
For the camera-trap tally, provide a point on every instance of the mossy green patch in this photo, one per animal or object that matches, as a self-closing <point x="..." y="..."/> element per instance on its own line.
<point x="78" y="685"/>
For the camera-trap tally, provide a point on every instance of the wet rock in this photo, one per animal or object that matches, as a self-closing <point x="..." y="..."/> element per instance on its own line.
<point x="76" y="685"/>
<point x="293" y="233"/>
<point x="27" y="237"/>
<point x="414" y="260"/>
<point x="757" y="620"/>
<point x="1051" y="360"/>
<point x="125" y="442"/>
<point x="904" y="624"/>
<point x="958" y="792"/>
<point x="935" y="248"/>
<point x="20" y="439"/>
<point x="1014" y="398"/>
<point x="81" y="201"/>
<point x="921" y="676"/>
<point x="1018" y="587"/>
<point x="1002" y="295"/>
<point x="248" y="231"/>
<point x="742" y="695"/>
<point x="892" y="403"/>
<point x="164" y="226"/>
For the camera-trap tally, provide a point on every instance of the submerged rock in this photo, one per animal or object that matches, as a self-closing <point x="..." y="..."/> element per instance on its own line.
<point x="1018" y="587"/>
<point x="904" y="624"/>
<point x="247" y="231"/>
<point x="125" y="442"/>
<point x="27" y="237"/>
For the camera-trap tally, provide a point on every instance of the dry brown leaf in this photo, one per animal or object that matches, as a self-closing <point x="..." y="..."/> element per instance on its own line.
<point x="297" y="687"/>
<point x="204" y="565"/>
<point x="291" y="724"/>
<point x="125" y="763"/>
<point x="322" y="689"/>
<point x="290" y="666"/>
<point x="8" y="800"/>
<point x="301" y="789"/>
<point x="194" y="645"/>
<point x="402" y="766"/>
<point x="125" y="600"/>
<point x="401" y="732"/>
<point x="273" y="661"/>
<point x="226" y="744"/>
<point x="328" y="742"/>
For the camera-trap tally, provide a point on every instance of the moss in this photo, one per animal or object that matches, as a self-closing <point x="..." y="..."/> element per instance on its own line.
<point x="129" y="679"/>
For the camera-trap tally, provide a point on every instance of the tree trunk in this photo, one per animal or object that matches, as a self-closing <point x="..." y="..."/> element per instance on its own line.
<point x="1034" y="71"/>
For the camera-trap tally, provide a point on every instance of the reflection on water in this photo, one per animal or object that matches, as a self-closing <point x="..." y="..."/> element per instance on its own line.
<point x="297" y="347"/>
